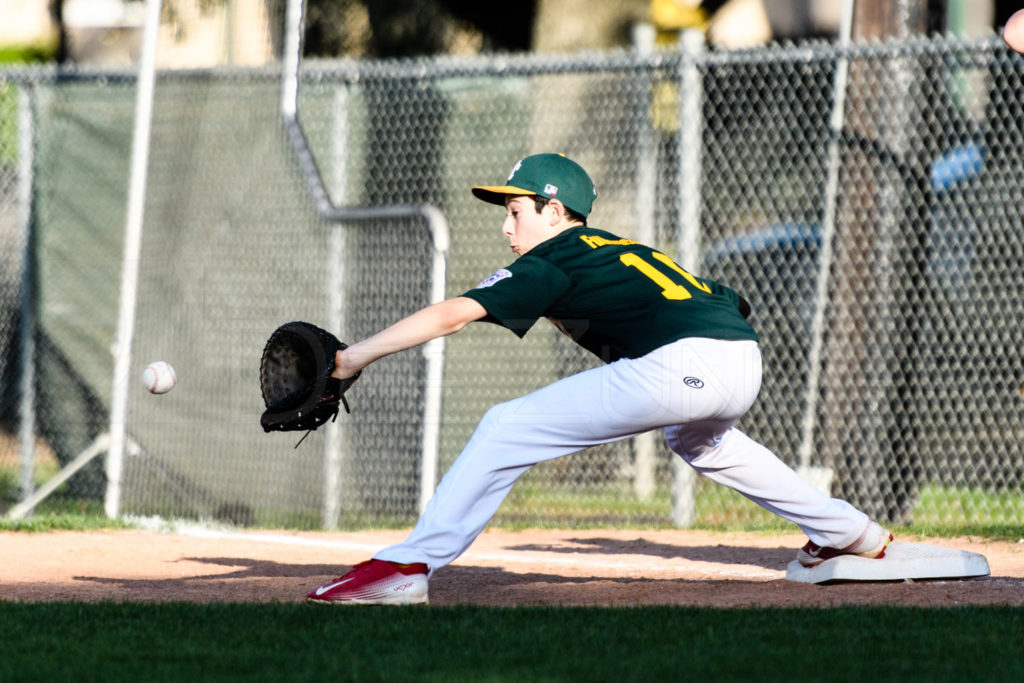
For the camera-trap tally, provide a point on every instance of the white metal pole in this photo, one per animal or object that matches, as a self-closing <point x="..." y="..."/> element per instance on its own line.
<point x="828" y="228"/>
<point x="334" y="452"/>
<point x="433" y="351"/>
<point x="647" y="160"/>
<point x="292" y="56"/>
<point x="331" y="505"/>
<point x="647" y="171"/>
<point x="132" y="251"/>
<point x="691" y="125"/>
<point x="27" y="407"/>
<point x="437" y="224"/>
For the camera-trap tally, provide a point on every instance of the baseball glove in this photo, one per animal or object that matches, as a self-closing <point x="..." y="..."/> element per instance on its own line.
<point x="295" y="376"/>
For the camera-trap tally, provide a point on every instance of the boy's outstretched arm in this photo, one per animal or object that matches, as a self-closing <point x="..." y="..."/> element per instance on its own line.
<point x="436" y="320"/>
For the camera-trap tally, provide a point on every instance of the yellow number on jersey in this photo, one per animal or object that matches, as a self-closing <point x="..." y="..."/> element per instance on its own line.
<point x="669" y="289"/>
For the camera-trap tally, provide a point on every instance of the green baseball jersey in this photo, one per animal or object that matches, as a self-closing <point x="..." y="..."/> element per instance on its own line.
<point x="615" y="297"/>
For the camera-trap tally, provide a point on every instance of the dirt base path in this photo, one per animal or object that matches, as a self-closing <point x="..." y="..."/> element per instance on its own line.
<point x="594" y="567"/>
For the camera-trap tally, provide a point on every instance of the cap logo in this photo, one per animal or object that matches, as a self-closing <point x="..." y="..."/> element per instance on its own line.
<point x="544" y="175"/>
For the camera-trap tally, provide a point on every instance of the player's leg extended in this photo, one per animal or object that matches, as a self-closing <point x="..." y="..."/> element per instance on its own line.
<point x="557" y="420"/>
<point x="729" y="457"/>
<point x="742" y="464"/>
<point x="597" y="406"/>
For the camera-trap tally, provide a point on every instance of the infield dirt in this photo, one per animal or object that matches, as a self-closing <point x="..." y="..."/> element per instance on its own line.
<point x="503" y="568"/>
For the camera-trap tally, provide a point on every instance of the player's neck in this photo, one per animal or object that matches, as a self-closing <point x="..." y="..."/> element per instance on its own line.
<point x="566" y="224"/>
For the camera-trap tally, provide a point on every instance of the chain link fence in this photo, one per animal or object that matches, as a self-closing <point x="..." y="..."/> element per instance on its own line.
<point x="881" y="251"/>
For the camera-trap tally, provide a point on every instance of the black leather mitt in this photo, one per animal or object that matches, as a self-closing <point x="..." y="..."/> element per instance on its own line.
<point x="295" y="377"/>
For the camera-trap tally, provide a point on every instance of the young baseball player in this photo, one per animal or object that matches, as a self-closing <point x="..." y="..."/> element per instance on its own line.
<point x="680" y="356"/>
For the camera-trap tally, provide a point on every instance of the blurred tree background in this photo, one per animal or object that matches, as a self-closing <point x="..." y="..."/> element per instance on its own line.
<point x="72" y="31"/>
<point x="407" y="28"/>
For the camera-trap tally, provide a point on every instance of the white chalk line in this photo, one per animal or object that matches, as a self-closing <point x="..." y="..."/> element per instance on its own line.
<point x="532" y="558"/>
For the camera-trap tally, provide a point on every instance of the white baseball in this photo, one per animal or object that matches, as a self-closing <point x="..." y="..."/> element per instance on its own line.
<point x="159" y="377"/>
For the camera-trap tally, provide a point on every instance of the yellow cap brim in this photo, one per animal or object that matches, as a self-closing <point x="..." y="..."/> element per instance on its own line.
<point x="495" y="194"/>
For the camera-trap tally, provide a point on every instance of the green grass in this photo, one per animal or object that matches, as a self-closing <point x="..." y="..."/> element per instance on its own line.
<point x="939" y="513"/>
<point x="57" y="512"/>
<point x="62" y="521"/>
<point x="175" y="642"/>
<point x="937" y="505"/>
<point x="538" y="503"/>
<point x="533" y="504"/>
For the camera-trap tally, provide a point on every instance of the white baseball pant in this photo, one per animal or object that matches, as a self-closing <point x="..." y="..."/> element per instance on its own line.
<point x="695" y="388"/>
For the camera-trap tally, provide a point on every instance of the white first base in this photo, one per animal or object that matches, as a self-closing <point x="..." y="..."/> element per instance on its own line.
<point x="902" y="561"/>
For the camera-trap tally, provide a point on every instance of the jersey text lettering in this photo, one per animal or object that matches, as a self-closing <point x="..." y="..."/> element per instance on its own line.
<point x="596" y="241"/>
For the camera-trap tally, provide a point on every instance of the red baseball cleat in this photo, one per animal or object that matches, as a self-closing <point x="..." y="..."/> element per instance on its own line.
<point x="871" y="544"/>
<point x="376" y="582"/>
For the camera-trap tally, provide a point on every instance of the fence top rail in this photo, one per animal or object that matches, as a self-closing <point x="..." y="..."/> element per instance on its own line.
<point x="528" y="64"/>
<point x="620" y="59"/>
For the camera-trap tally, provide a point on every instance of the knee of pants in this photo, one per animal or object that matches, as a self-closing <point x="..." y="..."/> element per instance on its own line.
<point x="691" y="441"/>
<point x="498" y="423"/>
<point x="505" y="414"/>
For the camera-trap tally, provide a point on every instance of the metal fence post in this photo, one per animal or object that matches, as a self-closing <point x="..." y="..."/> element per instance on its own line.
<point x="132" y="250"/>
<point x="336" y="311"/>
<point x="691" y="125"/>
<point x="646" y="197"/>
<point x="27" y="329"/>
<point x="821" y="476"/>
<point x="437" y="224"/>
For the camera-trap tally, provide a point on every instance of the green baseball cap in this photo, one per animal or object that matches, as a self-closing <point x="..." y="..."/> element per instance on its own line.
<point x="554" y="176"/>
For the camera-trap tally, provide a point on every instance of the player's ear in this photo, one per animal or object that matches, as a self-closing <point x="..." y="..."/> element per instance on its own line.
<point x="557" y="211"/>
